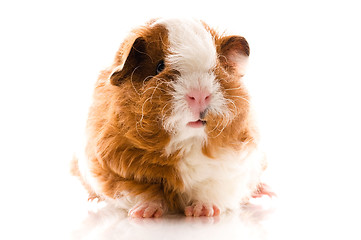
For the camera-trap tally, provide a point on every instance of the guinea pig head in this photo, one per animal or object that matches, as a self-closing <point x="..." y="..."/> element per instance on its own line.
<point x="183" y="81"/>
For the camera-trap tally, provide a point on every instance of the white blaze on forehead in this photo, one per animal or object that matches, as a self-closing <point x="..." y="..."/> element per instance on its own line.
<point x="191" y="45"/>
<point x="192" y="52"/>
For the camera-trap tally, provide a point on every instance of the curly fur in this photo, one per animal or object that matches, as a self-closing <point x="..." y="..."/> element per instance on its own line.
<point x="136" y="146"/>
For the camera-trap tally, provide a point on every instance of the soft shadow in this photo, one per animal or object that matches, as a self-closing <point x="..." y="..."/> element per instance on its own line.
<point x="110" y="223"/>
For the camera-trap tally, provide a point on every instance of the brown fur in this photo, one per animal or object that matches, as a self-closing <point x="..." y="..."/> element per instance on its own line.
<point x="238" y="131"/>
<point x="126" y="140"/>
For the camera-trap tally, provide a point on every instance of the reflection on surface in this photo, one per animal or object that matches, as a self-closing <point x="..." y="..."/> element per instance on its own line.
<point x="110" y="223"/>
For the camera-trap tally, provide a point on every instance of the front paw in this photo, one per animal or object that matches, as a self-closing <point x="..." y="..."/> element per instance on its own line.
<point x="152" y="209"/>
<point x="199" y="209"/>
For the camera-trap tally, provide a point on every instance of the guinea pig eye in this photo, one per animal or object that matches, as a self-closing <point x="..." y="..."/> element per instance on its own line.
<point x="160" y="67"/>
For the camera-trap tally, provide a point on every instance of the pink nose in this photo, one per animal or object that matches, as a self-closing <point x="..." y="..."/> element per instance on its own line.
<point x="198" y="101"/>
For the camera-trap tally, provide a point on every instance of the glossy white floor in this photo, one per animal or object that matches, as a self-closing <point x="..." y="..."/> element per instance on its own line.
<point x="304" y="76"/>
<point x="110" y="224"/>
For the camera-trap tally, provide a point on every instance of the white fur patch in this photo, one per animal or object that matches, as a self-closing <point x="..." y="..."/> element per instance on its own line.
<point x="225" y="181"/>
<point x="191" y="45"/>
<point x="193" y="54"/>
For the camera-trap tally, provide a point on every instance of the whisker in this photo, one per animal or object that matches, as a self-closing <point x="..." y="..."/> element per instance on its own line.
<point x="131" y="80"/>
<point x="136" y="128"/>
<point x="145" y="79"/>
<point x="150" y="99"/>
<point x="245" y="99"/>
<point x="225" y="117"/>
<point x="225" y="125"/>
<point x="143" y="53"/>
<point x="230" y="89"/>
<point x="163" y="114"/>
<point x="216" y="127"/>
<point x="142" y="117"/>
<point x="234" y="105"/>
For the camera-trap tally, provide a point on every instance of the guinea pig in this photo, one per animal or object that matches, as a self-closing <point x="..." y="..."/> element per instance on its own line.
<point x="170" y="128"/>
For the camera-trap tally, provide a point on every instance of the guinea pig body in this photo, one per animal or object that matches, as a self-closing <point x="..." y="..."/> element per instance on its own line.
<point x="170" y="127"/>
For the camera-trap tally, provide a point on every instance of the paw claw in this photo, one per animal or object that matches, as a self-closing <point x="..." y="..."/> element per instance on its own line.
<point x="147" y="210"/>
<point x="199" y="209"/>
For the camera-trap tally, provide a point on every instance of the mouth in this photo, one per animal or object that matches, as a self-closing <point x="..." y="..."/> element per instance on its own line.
<point x="197" y="124"/>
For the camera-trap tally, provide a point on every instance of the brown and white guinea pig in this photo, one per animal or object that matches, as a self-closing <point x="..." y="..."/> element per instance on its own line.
<point x="170" y="128"/>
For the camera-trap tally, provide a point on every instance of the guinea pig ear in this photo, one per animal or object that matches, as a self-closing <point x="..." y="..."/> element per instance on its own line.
<point x="234" y="52"/>
<point x="135" y="57"/>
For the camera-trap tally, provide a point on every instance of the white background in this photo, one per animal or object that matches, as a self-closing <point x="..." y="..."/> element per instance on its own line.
<point x="304" y="75"/>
